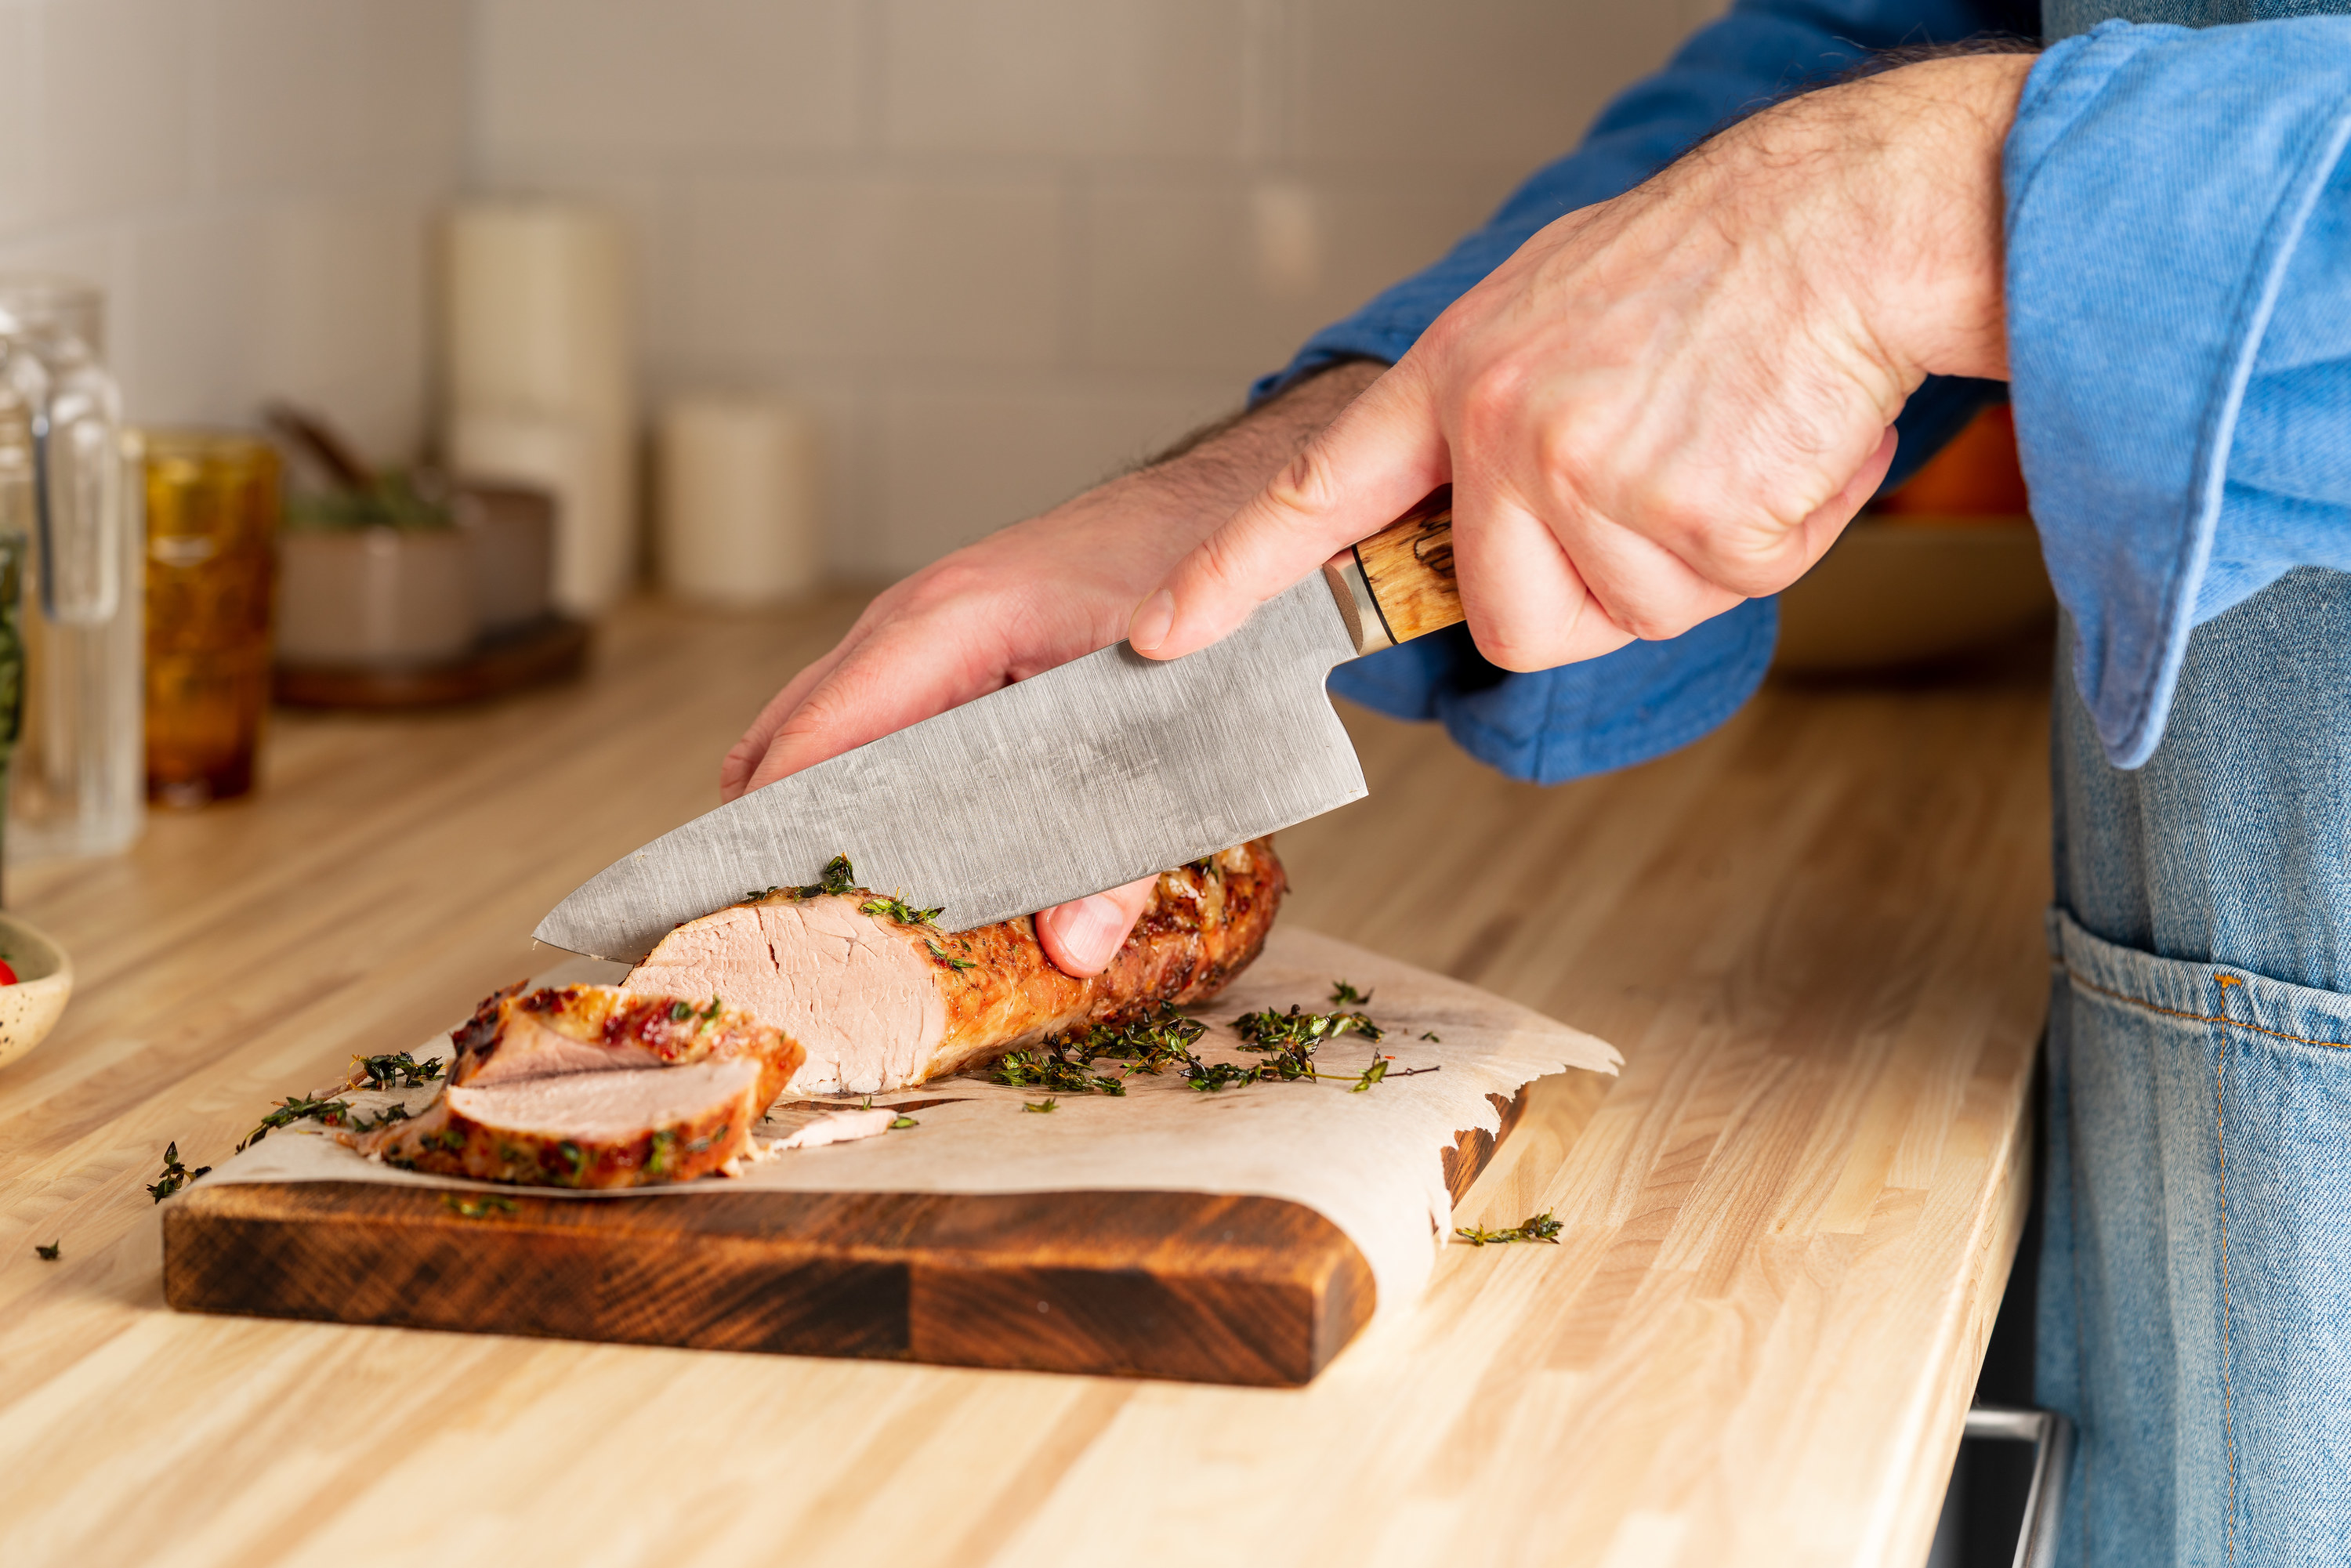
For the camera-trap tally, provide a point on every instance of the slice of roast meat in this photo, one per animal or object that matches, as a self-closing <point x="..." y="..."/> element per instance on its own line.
<point x="630" y="1126"/>
<point x="514" y="1036"/>
<point x="878" y="1002"/>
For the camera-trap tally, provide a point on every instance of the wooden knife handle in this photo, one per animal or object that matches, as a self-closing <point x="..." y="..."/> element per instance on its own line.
<point x="1398" y="584"/>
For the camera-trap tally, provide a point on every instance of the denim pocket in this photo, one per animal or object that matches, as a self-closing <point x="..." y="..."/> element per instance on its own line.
<point x="2196" y="1286"/>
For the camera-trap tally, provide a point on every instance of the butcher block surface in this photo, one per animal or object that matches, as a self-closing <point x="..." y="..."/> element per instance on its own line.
<point x="1814" y="935"/>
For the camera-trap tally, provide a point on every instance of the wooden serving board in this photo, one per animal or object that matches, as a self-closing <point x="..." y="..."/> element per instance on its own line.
<point x="1148" y="1285"/>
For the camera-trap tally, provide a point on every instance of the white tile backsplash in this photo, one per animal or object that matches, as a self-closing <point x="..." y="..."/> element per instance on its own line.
<point x="720" y="76"/>
<point x="954" y="463"/>
<point x="1201" y="274"/>
<point x="1084" y="80"/>
<point x="1403" y="82"/>
<point x="877" y="267"/>
<point x="250" y="180"/>
<point x="1002" y="245"/>
<point x="119" y="88"/>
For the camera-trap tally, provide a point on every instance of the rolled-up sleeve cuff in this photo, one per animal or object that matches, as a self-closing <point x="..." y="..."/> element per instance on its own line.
<point x="2158" y="182"/>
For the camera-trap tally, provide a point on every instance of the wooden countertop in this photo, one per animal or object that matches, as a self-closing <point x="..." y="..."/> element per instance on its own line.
<point x="1815" y="935"/>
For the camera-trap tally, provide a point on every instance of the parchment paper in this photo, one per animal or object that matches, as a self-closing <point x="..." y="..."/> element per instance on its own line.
<point x="1372" y="1162"/>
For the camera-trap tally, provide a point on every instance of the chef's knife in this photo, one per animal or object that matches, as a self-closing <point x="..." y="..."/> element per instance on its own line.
<point x="1105" y="769"/>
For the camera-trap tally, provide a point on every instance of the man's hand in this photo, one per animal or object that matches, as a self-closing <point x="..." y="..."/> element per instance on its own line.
<point x="1667" y="402"/>
<point x="1022" y="601"/>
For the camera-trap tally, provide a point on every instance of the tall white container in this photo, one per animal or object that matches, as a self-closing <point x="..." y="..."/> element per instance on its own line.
<point x="539" y="377"/>
<point x="740" y="489"/>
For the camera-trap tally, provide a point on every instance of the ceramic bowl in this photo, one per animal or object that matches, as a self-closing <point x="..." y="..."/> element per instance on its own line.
<point x="30" y="1007"/>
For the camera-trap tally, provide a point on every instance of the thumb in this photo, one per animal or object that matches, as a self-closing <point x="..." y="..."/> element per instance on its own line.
<point x="1365" y="469"/>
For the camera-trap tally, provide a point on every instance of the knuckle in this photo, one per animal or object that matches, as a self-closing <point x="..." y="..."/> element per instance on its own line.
<point x="1306" y="488"/>
<point x="1492" y="399"/>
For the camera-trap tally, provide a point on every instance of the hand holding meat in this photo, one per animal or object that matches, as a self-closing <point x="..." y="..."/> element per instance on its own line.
<point x="1022" y="601"/>
<point x="661" y="1078"/>
<point x="1667" y="402"/>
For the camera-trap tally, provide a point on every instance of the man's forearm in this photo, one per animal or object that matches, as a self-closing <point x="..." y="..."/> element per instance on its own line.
<point x="1211" y="473"/>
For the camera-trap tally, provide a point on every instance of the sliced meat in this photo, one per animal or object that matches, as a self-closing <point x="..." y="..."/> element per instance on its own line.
<point x="877" y="1002"/>
<point x="622" y="1127"/>
<point x="515" y="1036"/>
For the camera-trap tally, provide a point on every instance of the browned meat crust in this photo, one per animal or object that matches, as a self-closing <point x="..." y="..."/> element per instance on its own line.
<point x="570" y="1028"/>
<point x="509" y="1134"/>
<point x="1206" y="922"/>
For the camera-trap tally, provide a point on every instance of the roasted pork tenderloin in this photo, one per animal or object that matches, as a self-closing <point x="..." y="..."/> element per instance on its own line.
<point x="878" y="1002"/>
<point x="589" y="1086"/>
<point x="631" y="1126"/>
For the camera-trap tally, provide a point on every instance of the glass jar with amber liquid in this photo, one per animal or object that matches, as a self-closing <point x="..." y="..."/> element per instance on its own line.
<point x="211" y="528"/>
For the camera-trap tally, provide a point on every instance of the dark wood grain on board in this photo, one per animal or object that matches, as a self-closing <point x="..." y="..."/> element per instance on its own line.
<point x="1184" y="1285"/>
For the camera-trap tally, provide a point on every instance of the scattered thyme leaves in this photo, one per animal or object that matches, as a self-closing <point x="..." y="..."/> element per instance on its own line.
<point x="942" y="956"/>
<point x="1040" y="1106"/>
<point x="903" y="1122"/>
<point x="1211" y="1076"/>
<point x="1164" y="1038"/>
<point x="175" y="1174"/>
<point x="399" y="1070"/>
<point x="1270" y="1030"/>
<point x="1039" y="1070"/>
<point x="50" y="1253"/>
<point x="1430" y="1034"/>
<point x="466" y="1205"/>
<point x="836" y="878"/>
<point x="384" y="1118"/>
<point x="1542" y="1227"/>
<point x="894" y="907"/>
<point x="298" y="1108"/>
<point x="1344" y="995"/>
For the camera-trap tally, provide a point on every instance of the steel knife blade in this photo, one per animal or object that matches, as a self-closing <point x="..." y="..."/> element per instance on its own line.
<point x="1107" y="769"/>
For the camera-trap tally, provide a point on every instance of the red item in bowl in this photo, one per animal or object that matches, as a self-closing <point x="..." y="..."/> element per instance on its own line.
<point x="7" y="975"/>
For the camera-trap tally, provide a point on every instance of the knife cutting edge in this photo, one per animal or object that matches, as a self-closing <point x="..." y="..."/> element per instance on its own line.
<point x="1090" y="775"/>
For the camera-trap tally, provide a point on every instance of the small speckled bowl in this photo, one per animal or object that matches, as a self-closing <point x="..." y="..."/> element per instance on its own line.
<point x="30" y="1007"/>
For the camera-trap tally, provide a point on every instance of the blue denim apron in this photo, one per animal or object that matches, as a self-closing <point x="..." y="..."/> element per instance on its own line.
<point x="2195" y="1305"/>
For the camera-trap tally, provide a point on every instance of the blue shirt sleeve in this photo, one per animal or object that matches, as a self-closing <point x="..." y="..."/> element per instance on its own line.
<point x="1649" y="698"/>
<point x="2180" y="334"/>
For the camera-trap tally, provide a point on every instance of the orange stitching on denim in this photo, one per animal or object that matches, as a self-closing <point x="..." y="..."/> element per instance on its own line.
<point x="2205" y="1018"/>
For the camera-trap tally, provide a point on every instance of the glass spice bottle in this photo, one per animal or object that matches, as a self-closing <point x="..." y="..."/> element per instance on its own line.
<point x="212" y="524"/>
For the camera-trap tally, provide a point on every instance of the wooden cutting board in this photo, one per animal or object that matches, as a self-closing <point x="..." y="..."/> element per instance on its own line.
<point x="1150" y="1284"/>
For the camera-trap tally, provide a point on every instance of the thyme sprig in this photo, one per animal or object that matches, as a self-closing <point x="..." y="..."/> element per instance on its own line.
<point x="298" y="1108"/>
<point x="1542" y="1227"/>
<point x="175" y="1174"/>
<point x="944" y="956"/>
<point x="1041" y="1069"/>
<point x="1211" y="1076"/>
<point x="1344" y="995"/>
<point x="836" y="878"/>
<point x="1062" y="1064"/>
<point x="1270" y="1030"/>
<point x="468" y="1206"/>
<point x="396" y="1111"/>
<point x="52" y="1253"/>
<point x="399" y="1069"/>
<point x="1041" y="1107"/>
<point x="1163" y="1039"/>
<point x="895" y="907"/>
